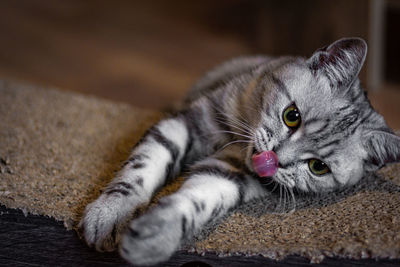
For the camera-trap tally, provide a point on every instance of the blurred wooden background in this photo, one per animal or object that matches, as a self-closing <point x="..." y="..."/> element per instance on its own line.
<point x="149" y="53"/>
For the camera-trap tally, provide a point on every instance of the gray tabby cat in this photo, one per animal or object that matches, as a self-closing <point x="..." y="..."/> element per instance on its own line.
<point x="304" y="123"/>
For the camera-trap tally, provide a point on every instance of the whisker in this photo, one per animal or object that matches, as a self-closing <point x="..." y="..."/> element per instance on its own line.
<point x="280" y="196"/>
<point x="232" y="132"/>
<point x="242" y="124"/>
<point x="246" y="147"/>
<point x="285" y="198"/>
<point x="267" y="183"/>
<point x="233" y="142"/>
<point x="238" y="122"/>
<point x="294" y="201"/>
<point x="288" y="200"/>
<point x="237" y="126"/>
<point x="273" y="189"/>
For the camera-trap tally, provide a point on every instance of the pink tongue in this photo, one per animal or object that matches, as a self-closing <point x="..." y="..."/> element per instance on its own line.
<point x="265" y="163"/>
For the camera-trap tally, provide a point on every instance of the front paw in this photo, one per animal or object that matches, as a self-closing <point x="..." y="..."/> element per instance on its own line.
<point x="102" y="223"/>
<point x="152" y="238"/>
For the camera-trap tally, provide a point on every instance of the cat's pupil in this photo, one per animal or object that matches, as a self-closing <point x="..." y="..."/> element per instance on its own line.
<point x="319" y="165"/>
<point x="293" y="115"/>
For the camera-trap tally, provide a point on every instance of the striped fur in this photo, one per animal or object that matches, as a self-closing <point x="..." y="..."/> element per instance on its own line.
<point x="233" y="112"/>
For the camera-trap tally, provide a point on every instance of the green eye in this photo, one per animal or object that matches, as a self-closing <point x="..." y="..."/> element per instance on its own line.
<point x="318" y="167"/>
<point x="291" y="117"/>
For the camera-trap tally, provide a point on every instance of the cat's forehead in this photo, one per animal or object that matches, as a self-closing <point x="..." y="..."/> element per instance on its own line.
<point x="310" y="92"/>
<point x="300" y="79"/>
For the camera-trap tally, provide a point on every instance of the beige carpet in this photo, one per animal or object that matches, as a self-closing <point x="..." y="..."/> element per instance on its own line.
<point x="59" y="149"/>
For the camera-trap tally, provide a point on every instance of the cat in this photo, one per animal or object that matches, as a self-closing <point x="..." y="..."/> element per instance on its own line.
<point x="304" y="123"/>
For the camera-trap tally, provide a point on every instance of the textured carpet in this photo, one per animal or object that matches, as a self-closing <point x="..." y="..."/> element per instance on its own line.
<point x="59" y="149"/>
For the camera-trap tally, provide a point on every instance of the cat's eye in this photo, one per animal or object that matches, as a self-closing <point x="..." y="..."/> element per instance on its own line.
<point x="291" y="117"/>
<point x="318" y="167"/>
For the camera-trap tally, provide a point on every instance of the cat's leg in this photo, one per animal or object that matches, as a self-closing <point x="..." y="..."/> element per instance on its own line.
<point x="153" y="161"/>
<point x="213" y="187"/>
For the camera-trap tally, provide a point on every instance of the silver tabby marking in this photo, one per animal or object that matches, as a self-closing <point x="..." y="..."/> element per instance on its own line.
<point x="233" y="112"/>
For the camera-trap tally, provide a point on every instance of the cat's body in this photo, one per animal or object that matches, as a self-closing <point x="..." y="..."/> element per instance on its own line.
<point x="308" y="116"/>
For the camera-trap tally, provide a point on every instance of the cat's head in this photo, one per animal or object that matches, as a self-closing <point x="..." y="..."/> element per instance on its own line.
<point x="317" y="120"/>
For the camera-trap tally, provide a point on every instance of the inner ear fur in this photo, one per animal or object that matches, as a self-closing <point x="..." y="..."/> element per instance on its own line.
<point x="382" y="148"/>
<point x="341" y="61"/>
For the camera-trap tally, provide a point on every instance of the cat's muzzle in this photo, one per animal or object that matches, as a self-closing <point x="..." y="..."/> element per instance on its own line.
<point x="265" y="163"/>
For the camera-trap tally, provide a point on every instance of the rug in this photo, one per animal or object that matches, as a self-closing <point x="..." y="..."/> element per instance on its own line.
<point x="59" y="149"/>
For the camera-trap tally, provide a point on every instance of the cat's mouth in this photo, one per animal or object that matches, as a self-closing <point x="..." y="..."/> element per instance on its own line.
<point x="265" y="160"/>
<point x="265" y="163"/>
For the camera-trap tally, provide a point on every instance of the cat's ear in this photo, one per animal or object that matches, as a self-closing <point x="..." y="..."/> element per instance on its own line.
<point x="341" y="61"/>
<point x="382" y="148"/>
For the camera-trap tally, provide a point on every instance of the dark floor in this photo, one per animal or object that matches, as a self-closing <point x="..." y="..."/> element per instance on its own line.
<point x="40" y="241"/>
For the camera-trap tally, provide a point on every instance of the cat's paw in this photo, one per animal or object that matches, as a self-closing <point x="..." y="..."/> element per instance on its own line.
<point x="102" y="223"/>
<point x="152" y="238"/>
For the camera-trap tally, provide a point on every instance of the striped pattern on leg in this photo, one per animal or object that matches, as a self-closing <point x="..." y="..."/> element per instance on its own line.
<point x="212" y="189"/>
<point x="154" y="160"/>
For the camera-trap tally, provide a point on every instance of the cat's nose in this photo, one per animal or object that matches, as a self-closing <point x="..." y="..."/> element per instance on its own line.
<point x="266" y="163"/>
